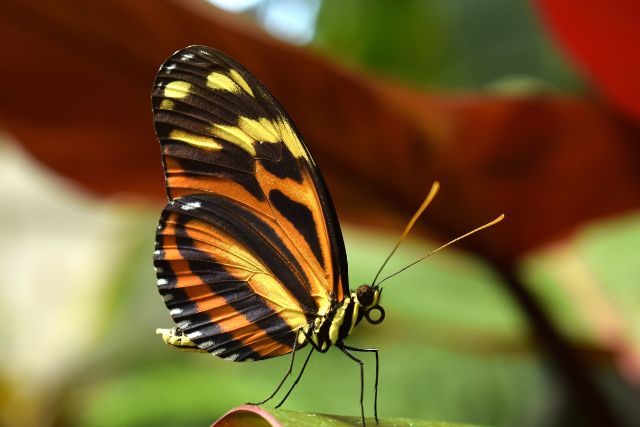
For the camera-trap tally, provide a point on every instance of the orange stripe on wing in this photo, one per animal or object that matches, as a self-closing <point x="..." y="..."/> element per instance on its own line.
<point x="321" y="279"/>
<point x="241" y="330"/>
<point x="183" y="185"/>
<point x="240" y="263"/>
<point x="244" y="266"/>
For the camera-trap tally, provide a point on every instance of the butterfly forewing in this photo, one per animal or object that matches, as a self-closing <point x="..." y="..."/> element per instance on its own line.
<point x="248" y="249"/>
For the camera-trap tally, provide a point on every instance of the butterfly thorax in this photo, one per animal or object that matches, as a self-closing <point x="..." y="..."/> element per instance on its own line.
<point x="342" y="318"/>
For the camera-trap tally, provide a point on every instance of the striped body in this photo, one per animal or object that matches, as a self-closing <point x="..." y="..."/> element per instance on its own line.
<point x="339" y="322"/>
<point x="336" y="325"/>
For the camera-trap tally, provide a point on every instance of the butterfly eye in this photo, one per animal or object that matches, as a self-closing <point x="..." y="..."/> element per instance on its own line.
<point x="376" y="319"/>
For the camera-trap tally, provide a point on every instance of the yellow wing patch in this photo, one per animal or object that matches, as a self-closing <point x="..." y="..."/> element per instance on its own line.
<point x="220" y="81"/>
<point x="236" y="136"/>
<point x="248" y="132"/>
<point x="177" y="89"/>
<point x="167" y="104"/>
<point x="233" y="82"/>
<point x="259" y="130"/>
<point x="291" y="140"/>
<point x="241" y="81"/>
<point x="200" y="141"/>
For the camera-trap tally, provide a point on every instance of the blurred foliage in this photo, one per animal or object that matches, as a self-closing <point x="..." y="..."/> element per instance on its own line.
<point x="603" y="300"/>
<point x="296" y="419"/>
<point x="454" y="44"/>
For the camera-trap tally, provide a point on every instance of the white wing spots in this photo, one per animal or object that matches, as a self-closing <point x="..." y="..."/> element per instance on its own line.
<point x="194" y="334"/>
<point x="191" y="206"/>
<point x="157" y="252"/>
<point x="232" y="357"/>
<point x="170" y="67"/>
<point x="175" y="311"/>
<point x="237" y="77"/>
<point x="186" y="56"/>
<point x="199" y="141"/>
<point x="217" y="351"/>
<point x="236" y="136"/>
<point x="206" y="344"/>
<point x="163" y="282"/>
<point x="220" y="81"/>
<point x="167" y="297"/>
<point x="177" y="89"/>
<point x="183" y="324"/>
<point x="204" y="52"/>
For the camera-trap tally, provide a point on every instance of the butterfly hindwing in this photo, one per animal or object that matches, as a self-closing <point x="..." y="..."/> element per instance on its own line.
<point x="249" y="249"/>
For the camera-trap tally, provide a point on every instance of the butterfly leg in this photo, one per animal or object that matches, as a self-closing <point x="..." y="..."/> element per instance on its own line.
<point x="361" y="363"/>
<point x="304" y="365"/>
<point x="375" y="351"/>
<point x="286" y="375"/>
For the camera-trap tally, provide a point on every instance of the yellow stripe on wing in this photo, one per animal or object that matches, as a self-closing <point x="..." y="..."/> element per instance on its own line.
<point x="241" y="81"/>
<point x="177" y="89"/>
<point x="200" y="141"/>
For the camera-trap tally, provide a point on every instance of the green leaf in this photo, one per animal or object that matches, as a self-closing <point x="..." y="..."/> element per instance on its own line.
<point x="247" y="415"/>
<point x="446" y="44"/>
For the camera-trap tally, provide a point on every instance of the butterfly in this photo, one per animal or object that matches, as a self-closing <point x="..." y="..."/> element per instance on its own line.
<point x="249" y="255"/>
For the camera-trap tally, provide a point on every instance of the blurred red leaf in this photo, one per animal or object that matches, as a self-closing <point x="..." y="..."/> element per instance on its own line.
<point x="77" y="82"/>
<point x="603" y="39"/>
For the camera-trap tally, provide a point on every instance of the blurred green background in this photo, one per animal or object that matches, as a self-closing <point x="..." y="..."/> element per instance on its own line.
<point x="80" y="347"/>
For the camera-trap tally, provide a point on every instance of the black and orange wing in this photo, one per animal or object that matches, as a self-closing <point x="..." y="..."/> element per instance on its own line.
<point x="249" y="249"/>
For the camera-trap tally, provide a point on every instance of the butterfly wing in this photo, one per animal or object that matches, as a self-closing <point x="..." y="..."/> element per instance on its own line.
<point x="249" y="249"/>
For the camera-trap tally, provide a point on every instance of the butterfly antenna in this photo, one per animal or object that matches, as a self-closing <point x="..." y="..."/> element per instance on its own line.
<point x="487" y="225"/>
<point x="432" y="193"/>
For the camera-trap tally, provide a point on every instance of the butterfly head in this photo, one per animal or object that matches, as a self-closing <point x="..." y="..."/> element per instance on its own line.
<point x="369" y="298"/>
